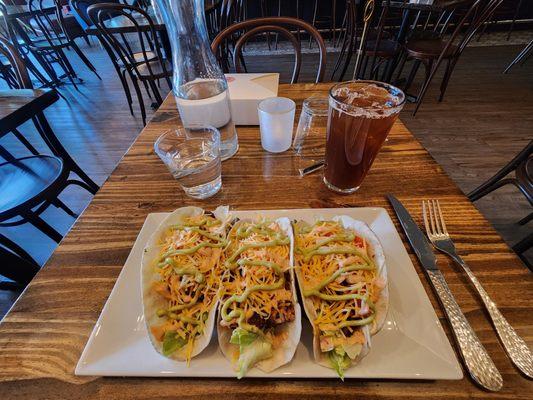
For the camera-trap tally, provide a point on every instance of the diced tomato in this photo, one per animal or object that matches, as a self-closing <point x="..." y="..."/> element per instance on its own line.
<point x="359" y="242"/>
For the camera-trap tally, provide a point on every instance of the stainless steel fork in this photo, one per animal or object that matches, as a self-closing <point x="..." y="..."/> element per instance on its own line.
<point x="514" y="345"/>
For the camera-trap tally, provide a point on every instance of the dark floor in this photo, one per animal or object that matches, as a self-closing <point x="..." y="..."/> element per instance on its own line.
<point x="485" y="119"/>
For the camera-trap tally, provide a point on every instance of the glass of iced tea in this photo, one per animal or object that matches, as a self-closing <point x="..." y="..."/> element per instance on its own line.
<point x="361" y="114"/>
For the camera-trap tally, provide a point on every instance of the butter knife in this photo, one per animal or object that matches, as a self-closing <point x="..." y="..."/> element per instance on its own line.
<point x="478" y="362"/>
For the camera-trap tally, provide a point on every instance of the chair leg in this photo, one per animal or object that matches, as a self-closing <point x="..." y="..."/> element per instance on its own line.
<point x="526" y="219"/>
<point x="15" y="248"/>
<point x="430" y="72"/>
<point x="401" y="67"/>
<point x="57" y="148"/>
<point x="127" y="92"/>
<point x="85" y="60"/>
<point x="67" y="67"/>
<point x="17" y="268"/>
<point x="522" y="246"/>
<point x="520" y="56"/>
<point x="446" y="78"/>
<point x="43" y="226"/>
<point x="515" y="16"/>
<point x="314" y="20"/>
<point x="412" y="74"/>
<point x="157" y="96"/>
<point x="139" y="98"/>
<point x="59" y="204"/>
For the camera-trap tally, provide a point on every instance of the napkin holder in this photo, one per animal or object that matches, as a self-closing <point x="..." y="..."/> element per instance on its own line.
<point x="246" y="91"/>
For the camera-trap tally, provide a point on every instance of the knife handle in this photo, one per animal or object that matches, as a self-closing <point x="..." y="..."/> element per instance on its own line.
<point x="478" y="362"/>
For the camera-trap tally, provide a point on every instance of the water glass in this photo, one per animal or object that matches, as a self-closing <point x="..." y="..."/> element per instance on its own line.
<point x="192" y="156"/>
<point x="310" y="140"/>
<point x="276" y="122"/>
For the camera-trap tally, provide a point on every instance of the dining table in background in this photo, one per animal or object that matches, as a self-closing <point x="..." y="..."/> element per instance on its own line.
<point x="42" y="337"/>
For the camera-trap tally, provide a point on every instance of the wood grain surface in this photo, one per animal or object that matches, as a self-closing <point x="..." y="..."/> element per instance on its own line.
<point x="43" y="336"/>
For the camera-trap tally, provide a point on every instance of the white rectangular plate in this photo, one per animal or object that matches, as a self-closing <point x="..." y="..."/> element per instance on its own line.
<point x="411" y="345"/>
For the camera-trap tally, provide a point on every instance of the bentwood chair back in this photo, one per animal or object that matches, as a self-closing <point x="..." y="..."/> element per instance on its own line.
<point x="20" y="72"/>
<point x="521" y="166"/>
<point x="432" y="52"/>
<point x="140" y="55"/>
<point x="50" y="25"/>
<point x="279" y="25"/>
<point x="377" y="46"/>
<point x="29" y="185"/>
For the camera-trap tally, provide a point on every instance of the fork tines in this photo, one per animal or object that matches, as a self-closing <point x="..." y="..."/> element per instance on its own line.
<point x="433" y="219"/>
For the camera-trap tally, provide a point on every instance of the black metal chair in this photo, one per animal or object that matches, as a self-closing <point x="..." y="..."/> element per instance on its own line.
<point x="147" y="65"/>
<point x="278" y="25"/>
<point x="51" y="27"/>
<point x="432" y="52"/>
<point x="29" y="185"/>
<point x="522" y="166"/>
<point x="375" y="48"/>
<point x="7" y="32"/>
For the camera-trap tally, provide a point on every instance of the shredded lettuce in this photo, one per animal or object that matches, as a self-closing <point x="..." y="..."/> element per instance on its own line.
<point x="339" y="360"/>
<point x="256" y="351"/>
<point x="252" y="349"/>
<point x="242" y="337"/>
<point x="172" y="342"/>
<point x="352" y="350"/>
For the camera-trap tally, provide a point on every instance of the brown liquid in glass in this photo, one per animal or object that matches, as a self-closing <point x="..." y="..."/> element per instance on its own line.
<point x="353" y="141"/>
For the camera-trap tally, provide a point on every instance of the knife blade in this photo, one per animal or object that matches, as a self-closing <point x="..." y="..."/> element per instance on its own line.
<point x="418" y="240"/>
<point x="477" y="360"/>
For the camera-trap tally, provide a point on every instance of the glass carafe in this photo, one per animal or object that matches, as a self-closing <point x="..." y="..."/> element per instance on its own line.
<point x="199" y="85"/>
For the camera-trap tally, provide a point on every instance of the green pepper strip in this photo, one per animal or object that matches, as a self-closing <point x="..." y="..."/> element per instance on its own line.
<point x="327" y="281"/>
<point x="337" y="250"/>
<point x="238" y="313"/>
<point x="336" y="238"/>
<point x="240" y="250"/>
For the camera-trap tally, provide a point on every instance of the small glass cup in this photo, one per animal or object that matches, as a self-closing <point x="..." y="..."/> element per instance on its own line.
<point x="276" y="122"/>
<point x="310" y="138"/>
<point x="192" y="156"/>
<point x="361" y="114"/>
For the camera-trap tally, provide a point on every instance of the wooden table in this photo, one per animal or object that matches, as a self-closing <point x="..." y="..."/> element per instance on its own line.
<point x="43" y="336"/>
<point x="19" y="105"/>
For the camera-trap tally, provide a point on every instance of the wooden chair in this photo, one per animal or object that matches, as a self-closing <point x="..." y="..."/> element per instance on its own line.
<point x="147" y="65"/>
<point x="522" y="166"/>
<point x="432" y="52"/>
<point x="279" y="25"/>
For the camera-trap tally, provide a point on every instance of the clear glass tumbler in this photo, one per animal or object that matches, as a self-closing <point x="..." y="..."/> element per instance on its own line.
<point x="192" y="156"/>
<point x="310" y="140"/>
<point x="361" y="114"/>
<point x="276" y="123"/>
